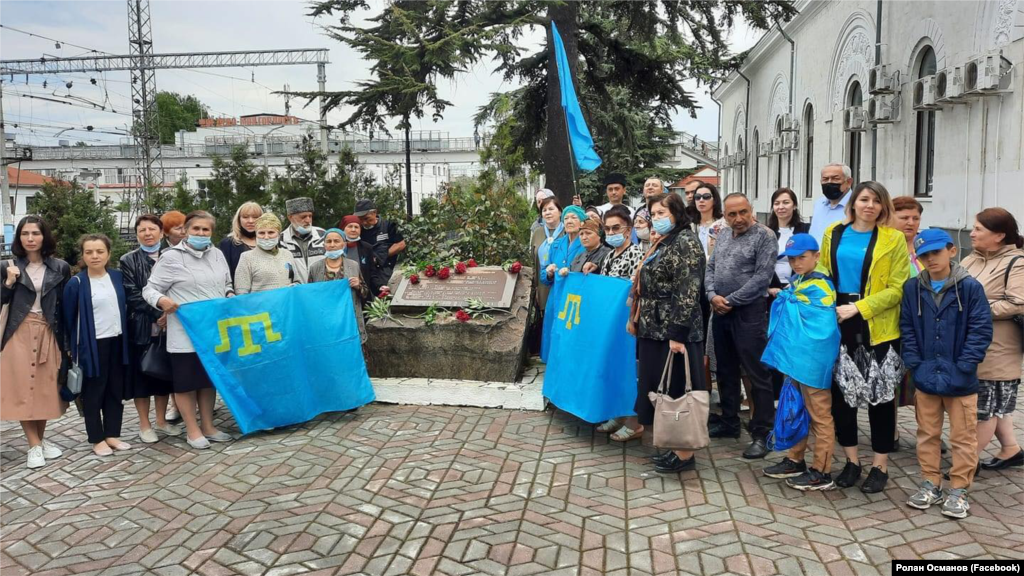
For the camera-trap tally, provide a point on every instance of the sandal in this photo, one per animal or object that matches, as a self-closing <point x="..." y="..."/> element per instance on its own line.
<point x="609" y="426"/>
<point x="102" y="449"/>
<point x="625" y="434"/>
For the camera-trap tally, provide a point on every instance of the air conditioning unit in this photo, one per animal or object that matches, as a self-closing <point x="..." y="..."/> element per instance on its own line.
<point x="883" y="109"/>
<point x="789" y="141"/>
<point x="949" y="85"/>
<point x="880" y="80"/>
<point x="776" y="145"/>
<point x="788" y="124"/>
<point x="924" y="93"/>
<point x="764" y="149"/>
<point x="986" y="74"/>
<point x="854" y="119"/>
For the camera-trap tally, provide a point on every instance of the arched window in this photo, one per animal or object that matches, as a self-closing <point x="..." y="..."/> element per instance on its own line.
<point x="924" y="146"/>
<point x="809" y="152"/>
<point x="855" y="97"/>
<point x="778" y="158"/>
<point x="756" y="172"/>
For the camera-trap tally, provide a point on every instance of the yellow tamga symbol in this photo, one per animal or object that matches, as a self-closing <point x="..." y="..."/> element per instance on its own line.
<point x="572" y="302"/>
<point x="245" y="323"/>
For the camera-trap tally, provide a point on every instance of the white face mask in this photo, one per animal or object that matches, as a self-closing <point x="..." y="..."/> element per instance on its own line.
<point x="267" y="244"/>
<point x="643" y="233"/>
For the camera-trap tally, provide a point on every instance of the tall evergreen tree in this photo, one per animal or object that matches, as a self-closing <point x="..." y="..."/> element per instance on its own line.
<point x="635" y="53"/>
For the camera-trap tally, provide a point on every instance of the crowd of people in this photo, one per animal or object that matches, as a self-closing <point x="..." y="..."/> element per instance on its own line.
<point x="908" y="323"/>
<point x="115" y="331"/>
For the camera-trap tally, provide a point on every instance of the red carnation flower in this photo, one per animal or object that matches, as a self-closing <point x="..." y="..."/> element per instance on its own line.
<point x="444" y="273"/>
<point x="384" y="292"/>
<point x="429" y="272"/>
<point x="460" y="268"/>
<point x="471" y="263"/>
<point x="462" y="316"/>
<point x="414" y="279"/>
<point x="516" y="267"/>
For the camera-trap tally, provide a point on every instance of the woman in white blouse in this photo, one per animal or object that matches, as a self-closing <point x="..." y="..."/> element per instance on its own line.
<point x="192" y="271"/>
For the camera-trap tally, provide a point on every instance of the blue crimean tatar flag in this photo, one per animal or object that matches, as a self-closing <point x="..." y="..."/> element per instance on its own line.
<point x="579" y="135"/>
<point x="591" y="358"/>
<point x="283" y="356"/>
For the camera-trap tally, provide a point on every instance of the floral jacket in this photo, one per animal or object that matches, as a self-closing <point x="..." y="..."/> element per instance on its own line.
<point x="671" y="283"/>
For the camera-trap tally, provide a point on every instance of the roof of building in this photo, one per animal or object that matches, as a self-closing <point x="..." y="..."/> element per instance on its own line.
<point x="705" y="174"/>
<point x="26" y="179"/>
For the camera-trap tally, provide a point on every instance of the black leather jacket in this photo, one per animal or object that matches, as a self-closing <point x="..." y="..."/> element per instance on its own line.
<point x="22" y="296"/>
<point x="136" y="267"/>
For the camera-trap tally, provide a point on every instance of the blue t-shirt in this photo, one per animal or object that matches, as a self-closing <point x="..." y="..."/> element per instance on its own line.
<point x="937" y="285"/>
<point x="853" y="249"/>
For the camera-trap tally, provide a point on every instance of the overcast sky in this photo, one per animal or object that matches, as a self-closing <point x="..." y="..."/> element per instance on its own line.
<point x="184" y="26"/>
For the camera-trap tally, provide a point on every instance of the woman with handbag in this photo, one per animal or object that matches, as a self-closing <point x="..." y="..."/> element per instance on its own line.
<point x="191" y="271"/>
<point x="998" y="263"/>
<point x="96" y="317"/>
<point x="34" y="357"/>
<point x="145" y="327"/>
<point x="666" y="320"/>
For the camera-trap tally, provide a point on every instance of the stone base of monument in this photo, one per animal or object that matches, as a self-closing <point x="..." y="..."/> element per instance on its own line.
<point x="491" y="350"/>
<point x="523" y="395"/>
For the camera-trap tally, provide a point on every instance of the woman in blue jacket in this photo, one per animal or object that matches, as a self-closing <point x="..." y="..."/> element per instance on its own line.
<point x="567" y="246"/>
<point x="97" y="326"/>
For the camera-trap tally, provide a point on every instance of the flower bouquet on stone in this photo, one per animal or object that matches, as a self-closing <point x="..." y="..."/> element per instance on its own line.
<point x="512" y="266"/>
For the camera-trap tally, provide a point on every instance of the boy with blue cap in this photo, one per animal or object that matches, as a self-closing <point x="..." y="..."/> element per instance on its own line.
<point x="803" y="343"/>
<point x="946" y="328"/>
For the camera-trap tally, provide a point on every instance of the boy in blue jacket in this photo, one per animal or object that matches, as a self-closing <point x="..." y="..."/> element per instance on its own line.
<point x="946" y="328"/>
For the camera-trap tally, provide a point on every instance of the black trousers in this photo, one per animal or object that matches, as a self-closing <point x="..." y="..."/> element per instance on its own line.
<point x="101" y="395"/>
<point x="740" y="339"/>
<point x="881" y="418"/>
<point x="652" y="356"/>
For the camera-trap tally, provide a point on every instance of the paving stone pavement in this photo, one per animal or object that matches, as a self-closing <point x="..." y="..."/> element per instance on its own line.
<point x="446" y="490"/>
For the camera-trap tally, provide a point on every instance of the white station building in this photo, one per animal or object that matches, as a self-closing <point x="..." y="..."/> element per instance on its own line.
<point x="926" y="97"/>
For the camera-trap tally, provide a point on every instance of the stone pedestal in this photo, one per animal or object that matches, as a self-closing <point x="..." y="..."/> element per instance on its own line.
<point x="485" y="350"/>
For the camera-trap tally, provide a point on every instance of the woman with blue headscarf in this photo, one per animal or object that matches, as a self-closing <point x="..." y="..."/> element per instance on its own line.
<point x="566" y="247"/>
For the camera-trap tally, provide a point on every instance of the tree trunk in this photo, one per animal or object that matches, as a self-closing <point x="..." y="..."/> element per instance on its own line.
<point x="558" y="161"/>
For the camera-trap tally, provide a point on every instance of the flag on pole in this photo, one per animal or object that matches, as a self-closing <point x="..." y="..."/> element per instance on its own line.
<point x="283" y="356"/>
<point x="580" y="141"/>
<point x="591" y="359"/>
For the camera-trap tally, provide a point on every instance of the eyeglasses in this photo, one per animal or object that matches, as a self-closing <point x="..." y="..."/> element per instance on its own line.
<point x="703" y="196"/>
<point x="617" y="229"/>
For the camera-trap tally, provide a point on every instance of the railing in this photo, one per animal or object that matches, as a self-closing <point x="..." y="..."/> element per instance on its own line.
<point x="707" y="150"/>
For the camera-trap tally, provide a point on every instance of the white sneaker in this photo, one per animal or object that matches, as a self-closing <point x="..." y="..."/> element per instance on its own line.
<point x="168" y="429"/>
<point x="35" y="457"/>
<point x="200" y="443"/>
<point x="148" y="436"/>
<point x="172" y="412"/>
<point x="220" y="437"/>
<point x="50" y="451"/>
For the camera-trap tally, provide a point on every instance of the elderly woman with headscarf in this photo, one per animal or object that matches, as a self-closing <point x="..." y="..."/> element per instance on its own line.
<point x="567" y="247"/>
<point x="336" y="266"/>
<point x="362" y="253"/>
<point x="267" y="267"/>
<point x="594" y="251"/>
<point x="642" y="229"/>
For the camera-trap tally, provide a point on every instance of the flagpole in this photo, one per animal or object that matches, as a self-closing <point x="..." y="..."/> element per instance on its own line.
<point x="572" y="158"/>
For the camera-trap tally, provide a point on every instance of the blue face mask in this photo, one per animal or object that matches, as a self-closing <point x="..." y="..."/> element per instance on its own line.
<point x="199" y="242"/>
<point x="300" y="230"/>
<point x="615" y="240"/>
<point x="662" y="225"/>
<point x="334" y="254"/>
<point x="150" y="249"/>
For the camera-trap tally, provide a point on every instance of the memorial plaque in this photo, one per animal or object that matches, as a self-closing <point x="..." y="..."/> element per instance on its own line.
<point x="490" y="284"/>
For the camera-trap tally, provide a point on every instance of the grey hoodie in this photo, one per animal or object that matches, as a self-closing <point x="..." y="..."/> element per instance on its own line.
<point x="956" y="274"/>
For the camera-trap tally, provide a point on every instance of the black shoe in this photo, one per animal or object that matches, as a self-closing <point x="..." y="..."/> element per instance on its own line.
<point x="811" y="480"/>
<point x="849" y="476"/>
<point x="999" y="463"/>
<point x="720" y="430"/>
<point x="785" y="469"/>
<point x="875" y="481"/>
<point x="673" y="464"/>
<point x="758" y="449"/>
<point x="660" y="456"/>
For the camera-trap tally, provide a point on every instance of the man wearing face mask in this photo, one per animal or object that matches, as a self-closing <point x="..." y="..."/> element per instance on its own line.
<point x="301" y="238"/>
<point x="383" y="235"/>
<point x="836" y="181"/>
<point x="615" y="189"/>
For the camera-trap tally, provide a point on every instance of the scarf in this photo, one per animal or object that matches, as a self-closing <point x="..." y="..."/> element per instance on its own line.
<point x="544" y="250"/>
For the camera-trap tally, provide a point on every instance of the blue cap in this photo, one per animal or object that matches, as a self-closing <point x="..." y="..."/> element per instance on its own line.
<point x="799" y="244"/>
<point x="930" y="240"/>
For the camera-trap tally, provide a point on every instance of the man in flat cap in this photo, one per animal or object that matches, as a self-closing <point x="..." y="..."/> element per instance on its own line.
<point x="301" y="238"/>
<point x="615" y="189"/>
<point x="383" y="235"/>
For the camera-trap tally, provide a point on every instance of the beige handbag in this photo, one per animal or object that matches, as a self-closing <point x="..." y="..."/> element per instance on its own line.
<point x="680" y="423"/>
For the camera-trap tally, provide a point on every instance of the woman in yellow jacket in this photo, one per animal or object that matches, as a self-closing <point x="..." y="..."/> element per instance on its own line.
<point x="868" y="263"/>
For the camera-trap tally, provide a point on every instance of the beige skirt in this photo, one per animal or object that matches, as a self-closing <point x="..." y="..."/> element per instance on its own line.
<point x="29" y="369"/>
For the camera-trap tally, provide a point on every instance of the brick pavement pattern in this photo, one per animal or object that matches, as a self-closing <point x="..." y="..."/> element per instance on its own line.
<point x="447" y="490"/>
